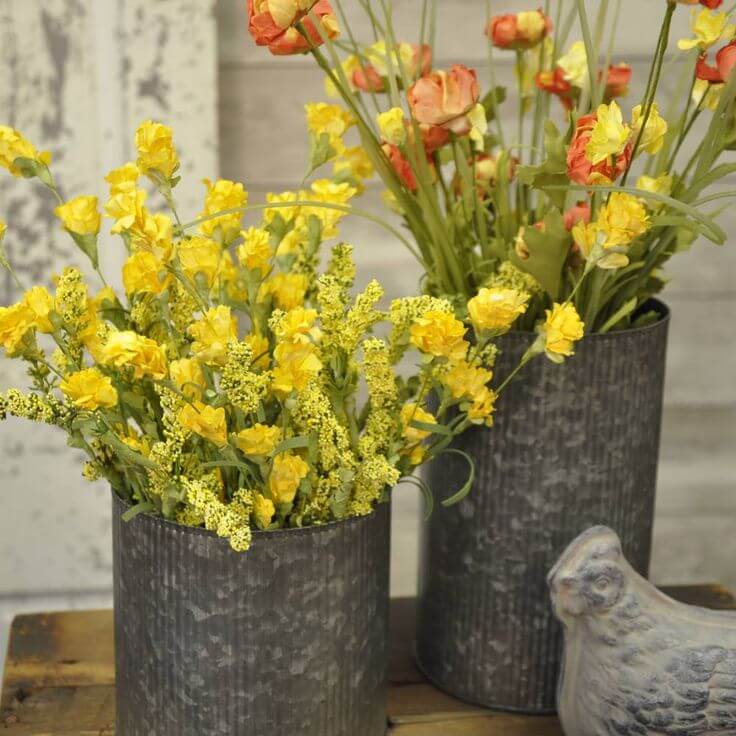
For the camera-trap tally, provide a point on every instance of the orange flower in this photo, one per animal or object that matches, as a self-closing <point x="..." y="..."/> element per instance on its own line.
<point x="617" y="81"/>
<point x="444" y="99"/>
<point x="367" y="78"/>
<point x="272" y="23"/>
<point x="519" y="30"/>
<point x="712" y="4"/>
<point x="579" y="167"/>
<point x="401" y="166"/>
<point x="578" y="213"/>
<point x="554" y="83"/>
<point x="725" y="63"/>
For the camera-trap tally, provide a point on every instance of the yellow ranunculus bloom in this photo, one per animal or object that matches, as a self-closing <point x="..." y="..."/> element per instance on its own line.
<point x="223" y="195"/>
<point x="187" y="375"/>
<point x="259" y="439"/>
<point x="466" y="381"/>
<point x="709" y="28"/>
<point x="287" y="473"/>
<point x="325" y="118"/>
<point x="212" y="334"/>
<point x="392" y="127"/>
<point x="13" y="145"/>
<point x="297" y="365"/>
<point x="123" y="179"/>
<point x="154" y="233"/>
<point x="263" y="511"/>
<point x="80" y="215"/>
<point x="128" y="348"/>
<point x="126" y="208"/>
<point x="562" y="329"/>
<point x="660" y="185"/>
<point x="255" y="250"/>
<point x="260" y="347"/>
<point x="296" y="325"/>
<point x="574" y="65"/>
<point x="200" y="256"/>
<point x="622" y="218"/>
<point x="496" y="309"/>
<point x="286" y="213"/>
<point x="356" y="162"/>
<point x="609" y="135"/>
<point x="89" y="389"/>
<point x="531" y="24"/>
<point x="156" y="151"/>
<point x="39" y="304"/>
<point x="287" y="289"/>
<point x="143" y="273"/>
<point x="414" y="413"/>
<point x="15" y="321"/>
<point x="439" y="334"/>
<point x="206" y="421"/>
<point x="652" y="139"/>
<point x="482" y="408"/>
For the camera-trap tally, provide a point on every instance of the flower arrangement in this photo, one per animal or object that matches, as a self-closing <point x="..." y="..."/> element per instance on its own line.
<point x="223" y="388"/>
<point x="589" y="208"/>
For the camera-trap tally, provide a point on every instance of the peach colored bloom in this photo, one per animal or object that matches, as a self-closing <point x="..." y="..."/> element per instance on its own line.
<point x="578" y="213"/>
<point x="272" y="23"/>
<point x="519" y="30"/>
<point x="401" y="166"/>
<point x="579" y="167"/>
<point x="368" y="79"/>
<point x="445" y="98"/>
<point x="617" y="81"/>
<point x="555" y="83"/>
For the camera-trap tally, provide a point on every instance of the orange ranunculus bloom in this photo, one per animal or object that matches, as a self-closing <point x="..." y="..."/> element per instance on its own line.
<point x="725" y="63"/>
<point x="401" y="166"/>
<point x="579" y="167"/>
<point x="555" y="83"/>
<point x="617" y="81"/>
<point x="444" y="99"/>
<point x="519" y="30"/>
<point x="712" y="4"/>
<point x="577" y="213"/>
<point x="272" y="23"/>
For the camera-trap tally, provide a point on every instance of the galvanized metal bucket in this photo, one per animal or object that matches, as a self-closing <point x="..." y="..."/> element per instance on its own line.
<point x="287" y="639"/>
<point x="572" y="446"/>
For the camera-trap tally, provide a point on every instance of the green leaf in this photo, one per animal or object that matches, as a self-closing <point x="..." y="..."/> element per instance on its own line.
<point x="126" y="453"/>
<point x="320" y="152"/>
<point x="426" y="492"/>
<point x="88" y="245"/>
<point x="293" y="443"/>
<point x="29" y="168"/>
<point x="492" y="100"/>
<point x="432" y="428"/>
<point x="620" y="314"/>
<point x="141" y="508"/>
<point x="548" y="251"/>
<point x="463" y="492"/>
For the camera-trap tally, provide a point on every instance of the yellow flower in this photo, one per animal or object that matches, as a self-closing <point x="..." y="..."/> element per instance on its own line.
<point x="707" y="94"/>
<point x="123" y="179"/>
<point x="297" y="365"/>
<point x="187" y="375"/>
<point x="294" y="240"/>
<point x="154" y="233"/>
<point x="325" y="118"/>
<point x="200" y="256"/>
<point x="89" y="389"/>
<point x="286" y="213"/>
<point x="259" y="439"/>
<point x="126" y="208"/>
<point x="13" y="146"/>
<point x="223" y="195"/>
<point x="296" y="325"/>
<point x="466" y="381"/>
<point x="287" y="473"/>
<point x="212" y="334"/>
<point x="255" y="250"/>
<point x="709" y="28"/>
<point x="80" y="215"/>
<point x="3" y="228"/>
<point x="562" y="329"/>
<point x="263" y="511"/>
<point x="496" y="309"/>
<point x="329" y="192"/>
<point x="128" y="348"/>
<point x="206" y="421"/>
<point x="414" y="413"/>
<point x="574" y="65"/>
<point x="609" y="135"/>
<point x="39" y="304"/>
<point x="260" y="348"/>
<point x="287" y="289"/>
<point x="660" y="185"/>
<point x="391" y="125"/>
<point x="531" y="24"/>
<point x="482" y="408"/>
<point x="587" y="236"/>
<point x="15" y="321"/>
<point x="356" y="162"/>
<point x="440" y="334"/>
<point x="156" y="151"/>
<point x="143" y="273"/>
<point x="623" y="218"/>
<point x="652" y="138"/>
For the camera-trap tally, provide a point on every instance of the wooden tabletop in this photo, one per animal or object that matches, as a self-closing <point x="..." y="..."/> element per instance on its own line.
<point x="60" y="679"/>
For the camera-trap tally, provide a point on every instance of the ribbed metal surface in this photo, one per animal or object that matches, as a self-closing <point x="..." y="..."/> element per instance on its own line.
<point x="572" y="446"/>
<point x="288" y="639"/>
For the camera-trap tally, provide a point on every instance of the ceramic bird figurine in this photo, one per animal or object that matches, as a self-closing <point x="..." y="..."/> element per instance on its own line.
<point x="638" y="663"/>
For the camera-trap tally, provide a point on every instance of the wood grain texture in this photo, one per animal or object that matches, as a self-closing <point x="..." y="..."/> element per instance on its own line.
<point x="59" y="679"/>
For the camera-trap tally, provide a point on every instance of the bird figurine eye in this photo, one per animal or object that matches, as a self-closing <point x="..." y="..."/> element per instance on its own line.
<point x="601" y="584"/>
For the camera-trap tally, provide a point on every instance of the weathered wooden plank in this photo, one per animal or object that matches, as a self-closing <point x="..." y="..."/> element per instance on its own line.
<point x="495" y="724"/>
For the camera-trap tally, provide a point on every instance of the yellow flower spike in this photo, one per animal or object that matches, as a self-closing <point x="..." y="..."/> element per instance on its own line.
<point x="212" y="334"/>
<point x="206" y="421"/>
<point x="574" y="65"/>
<point x="392" y="127"/>
<point x="156" y="151"/>
<point x="496" y="309"/>
<point x="123" y="179"/>
<point x="187" y="375"/>
<point x="609" y="135"/>
<point x="562" y="329"/>
<point x="258" y="440"/>
<point x="90" y="389"/>
<point x="255" y="252"/>
<point x="439" y="334"/>
<point x="80" y="215"/>
<point x="263" y="511"/>
<point x="13" y="146"/>
<point x="223" y="195"/>
<point x="412" y="412"/>
<point x="652" y="139"/>
<point x="40" y="304"/>
<point x="287" y="473"/>
<point x="200" y="256"/>
<point x="142" y="274"/>
<point x="709" y="28"/>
